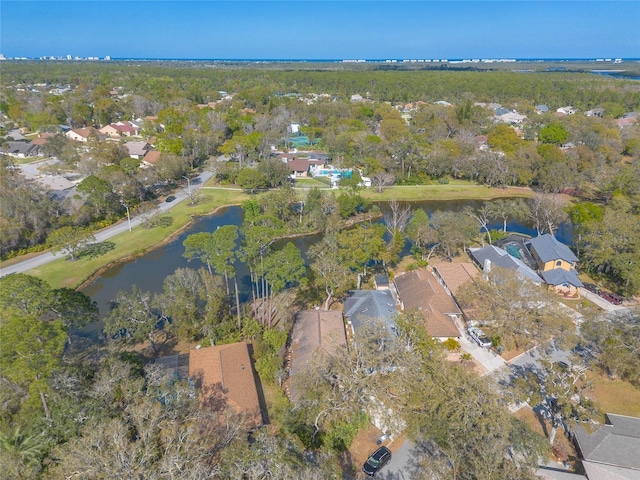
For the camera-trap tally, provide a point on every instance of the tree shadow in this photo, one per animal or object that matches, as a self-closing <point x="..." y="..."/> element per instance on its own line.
<point x="261" y="399"/>
<point x="96" y="249"/>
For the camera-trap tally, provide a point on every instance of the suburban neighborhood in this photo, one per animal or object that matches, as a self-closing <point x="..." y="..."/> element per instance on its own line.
<point x="228" y="273"/>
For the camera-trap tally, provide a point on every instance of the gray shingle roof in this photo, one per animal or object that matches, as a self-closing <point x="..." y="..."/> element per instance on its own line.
<point x="367" y="306"/>
<point x="558" y="276"/>
<point x="501" y="258"/>
<point x="549" y="248"/>
<point x="616" y="443"/>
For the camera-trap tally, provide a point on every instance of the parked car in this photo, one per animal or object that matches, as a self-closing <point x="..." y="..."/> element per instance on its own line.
<point x="479" y="337"/>
<point x="612" y="297"/>
<point x="170" y="198"/>
<point x="376" y="461"/>
<point x="592" y="288"/>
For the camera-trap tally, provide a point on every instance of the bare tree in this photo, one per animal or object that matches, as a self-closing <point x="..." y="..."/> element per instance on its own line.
<point x="546" y="212"/>
<point x="382" y="179"/>
<point x="397" y="219"/>
<point x="482" y="216"/>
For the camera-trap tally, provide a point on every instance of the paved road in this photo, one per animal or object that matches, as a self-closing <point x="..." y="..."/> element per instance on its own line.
<point x="105" y="233"/>
<point x="400" y="465"/>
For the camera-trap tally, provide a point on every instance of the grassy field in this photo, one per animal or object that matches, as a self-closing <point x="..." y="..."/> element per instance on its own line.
<point x="61" y="273"/>
<point x="615" y="396"/>
<point x="458" y="190"/>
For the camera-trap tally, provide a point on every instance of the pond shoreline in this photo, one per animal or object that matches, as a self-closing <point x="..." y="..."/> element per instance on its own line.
<point x="348" y="223"/>
<point x="168" y="239"/>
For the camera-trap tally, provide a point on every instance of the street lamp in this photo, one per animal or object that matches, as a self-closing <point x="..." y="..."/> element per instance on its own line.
<point x="188" y="184"/>
<point x="128" y="216"/>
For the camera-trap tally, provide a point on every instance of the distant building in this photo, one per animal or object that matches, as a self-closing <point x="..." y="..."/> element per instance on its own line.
<point x="568" y="110"/>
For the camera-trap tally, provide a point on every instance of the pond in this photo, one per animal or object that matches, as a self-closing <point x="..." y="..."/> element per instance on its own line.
<point x="148" y="271"/>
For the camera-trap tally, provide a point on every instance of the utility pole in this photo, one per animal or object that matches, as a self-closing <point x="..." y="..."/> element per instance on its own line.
<point x="188" y="185"/>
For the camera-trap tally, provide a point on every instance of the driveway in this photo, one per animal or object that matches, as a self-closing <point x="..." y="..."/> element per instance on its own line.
<point x="486" y="357"/>
<point x="400" y="465"/>
<point x="599" y="301"/>
<point x="105" y="233"/>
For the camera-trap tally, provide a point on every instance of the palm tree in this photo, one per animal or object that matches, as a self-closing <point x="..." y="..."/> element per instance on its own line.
<point x="20" y="454"/>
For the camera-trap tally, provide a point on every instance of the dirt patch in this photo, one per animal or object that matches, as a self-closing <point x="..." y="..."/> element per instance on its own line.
<point x="362" y="446"/>
<point x="511" y="354"/>
<point x="468" y="363"/>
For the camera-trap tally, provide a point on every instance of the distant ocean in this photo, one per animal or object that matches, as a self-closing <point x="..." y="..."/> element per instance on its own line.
<point x="383" y="60"/>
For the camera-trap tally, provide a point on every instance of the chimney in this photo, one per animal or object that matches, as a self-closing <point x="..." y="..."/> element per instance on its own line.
<point x="487" y="266"/>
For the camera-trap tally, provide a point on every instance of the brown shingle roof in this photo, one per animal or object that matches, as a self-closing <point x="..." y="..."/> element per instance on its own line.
<point x="455" y="275"/>
<point x="227" y="370"/>
<point x="151" y="157"/>
<point x="314" y="330"/>
<point x="421" y="290"/>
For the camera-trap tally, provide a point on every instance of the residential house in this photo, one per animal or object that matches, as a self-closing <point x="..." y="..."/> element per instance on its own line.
<point x="367" y="307"/>
<point x="595" y="112"/>
<point x="500" y="110"/>
<point x="568" y="110"/>
<point x="120" y="129"/>
<point x="293" y="129"/>
<point x="490" y="255"/>
<point x="356" y="98"/>
<point x="81" y="134"/>
<point x="224" y="374"/>
<point x="511" y="117"/>
<point x="610" y="451"/>
<point x="540" y="109"/>
<point x="151" y="158"/>
<point x="550" y="253"/>
<point x="556" y="263"/>
<point x="421" y="290"/>
<point x="15" y="134"/>
<point x="137" y="150"/>
<point x="300" y="167"/>
<point x="110" y="131"/>
<point x="453" y="275"/>
<point x="126" y="128"/>
<point x="43" y="138"/>
<point x="315" y="332"/>
<point x="364" y="309"/>
<point x="626" y="121"/>
<point x="20" y="149"/>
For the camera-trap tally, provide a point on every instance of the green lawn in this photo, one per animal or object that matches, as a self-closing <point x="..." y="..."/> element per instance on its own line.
<point x="458" y="190"/>
<point x="310" y="183"/>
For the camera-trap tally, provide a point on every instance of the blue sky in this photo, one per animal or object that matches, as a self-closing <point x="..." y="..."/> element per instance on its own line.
<point x="321" y="30"/>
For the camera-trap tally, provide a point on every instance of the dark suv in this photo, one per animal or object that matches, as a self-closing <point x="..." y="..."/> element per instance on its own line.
<point x="612" y="297"/>
<point x="592" y="288"/>
<point x="376" y="461"/>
